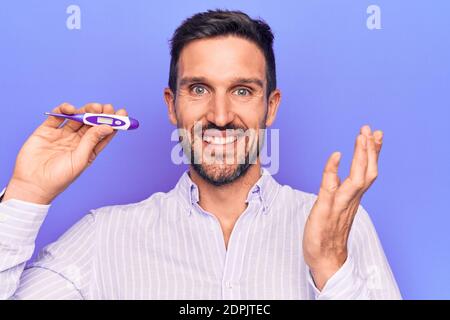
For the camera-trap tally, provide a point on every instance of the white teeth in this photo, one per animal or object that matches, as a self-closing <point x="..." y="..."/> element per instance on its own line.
<point x="219" y="140"/>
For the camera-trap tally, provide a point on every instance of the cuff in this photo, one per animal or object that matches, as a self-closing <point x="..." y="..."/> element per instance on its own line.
<point x="344" y="284"/>
<point x="20" y="221"/>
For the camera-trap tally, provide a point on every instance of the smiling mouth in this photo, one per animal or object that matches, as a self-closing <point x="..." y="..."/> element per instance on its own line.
<point x="220" y="141"/>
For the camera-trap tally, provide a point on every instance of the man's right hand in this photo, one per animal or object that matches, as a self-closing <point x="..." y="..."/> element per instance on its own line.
<point x="54" y="155"/>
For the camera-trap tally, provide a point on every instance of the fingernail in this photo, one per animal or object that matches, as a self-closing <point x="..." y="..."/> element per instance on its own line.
<point x="379" y="136"/>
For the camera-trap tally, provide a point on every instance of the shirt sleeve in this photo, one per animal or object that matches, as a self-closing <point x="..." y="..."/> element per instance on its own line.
<point x="63" y="269"/>
<point x="60" y="271"/>
<point x="366" y="274"/>
<point x="19" y="224"/>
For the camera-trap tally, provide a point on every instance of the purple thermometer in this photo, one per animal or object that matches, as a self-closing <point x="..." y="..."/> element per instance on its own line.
<point x="96" y="119"/>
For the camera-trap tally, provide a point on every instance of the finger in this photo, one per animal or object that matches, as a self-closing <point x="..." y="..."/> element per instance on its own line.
<point x="378" y="136"/>
<point x="365" y="130"/>
<point x="122" y="112"/>
<point x="330" y="178"/>
<point x="55" y="122"/>
<point x="93" y="108"/>
<point x="372" y="164"/>
<point x="85" y="153"/>
<point x="355" y="182"/>
<point x="74" y="126"/>
<point x="373" y="150"/>
<point x="107" y="108"/>
<point x="104" y="142"/>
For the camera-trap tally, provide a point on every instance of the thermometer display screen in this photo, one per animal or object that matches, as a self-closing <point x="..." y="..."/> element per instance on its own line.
<point x="104" y="120"/>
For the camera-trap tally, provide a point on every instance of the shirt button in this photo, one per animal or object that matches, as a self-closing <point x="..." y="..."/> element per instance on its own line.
<point x="228" y="285"/>
<point x="3" y="217"/>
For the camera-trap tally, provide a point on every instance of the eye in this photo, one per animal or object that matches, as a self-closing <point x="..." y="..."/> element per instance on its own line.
<point x="198" y="90"/>
<point x="242" y="92"/>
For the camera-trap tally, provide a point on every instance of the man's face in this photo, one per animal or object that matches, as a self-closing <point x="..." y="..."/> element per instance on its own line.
<point x="221" y="103"/>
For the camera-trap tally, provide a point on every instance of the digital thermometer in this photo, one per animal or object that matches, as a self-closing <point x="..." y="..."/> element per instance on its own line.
<point x="96" y="119"/>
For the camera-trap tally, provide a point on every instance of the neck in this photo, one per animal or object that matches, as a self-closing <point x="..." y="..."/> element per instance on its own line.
<point x="226" y="202"/>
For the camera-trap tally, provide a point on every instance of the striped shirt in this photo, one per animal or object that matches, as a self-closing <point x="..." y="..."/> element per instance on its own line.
<point x="168" y="247"/>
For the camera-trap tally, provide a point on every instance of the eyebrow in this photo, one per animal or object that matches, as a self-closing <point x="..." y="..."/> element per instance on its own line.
<point x="189" y="80"/>
<point x="256" y="81"/>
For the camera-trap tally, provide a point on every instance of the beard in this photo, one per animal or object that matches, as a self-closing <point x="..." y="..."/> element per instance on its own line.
<point x="222" y="173"/>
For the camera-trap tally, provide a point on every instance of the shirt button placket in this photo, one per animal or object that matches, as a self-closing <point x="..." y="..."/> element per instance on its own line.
<point x="228" y="292"/>
<point x="233" y="261"/>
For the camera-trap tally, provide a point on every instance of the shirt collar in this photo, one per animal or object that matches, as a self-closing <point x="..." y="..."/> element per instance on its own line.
<point x="264" y="191"/>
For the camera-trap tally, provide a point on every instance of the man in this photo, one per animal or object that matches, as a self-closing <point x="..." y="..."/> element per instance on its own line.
<point x="227" y="230"/>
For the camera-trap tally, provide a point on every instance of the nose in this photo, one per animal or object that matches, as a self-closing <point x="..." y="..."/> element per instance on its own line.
<point x="220" y="112"/>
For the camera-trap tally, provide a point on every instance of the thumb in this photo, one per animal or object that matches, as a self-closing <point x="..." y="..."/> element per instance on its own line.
<point x="85" y="152"/>
<point x="330" y="178"/>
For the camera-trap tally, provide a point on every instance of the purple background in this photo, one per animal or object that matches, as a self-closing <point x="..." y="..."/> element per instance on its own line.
<point x="334" y="73"/>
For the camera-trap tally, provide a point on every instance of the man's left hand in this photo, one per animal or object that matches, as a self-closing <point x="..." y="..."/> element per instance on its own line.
<point x="331" y="217"/>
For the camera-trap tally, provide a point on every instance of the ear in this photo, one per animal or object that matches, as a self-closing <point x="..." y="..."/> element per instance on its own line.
<point x="169" y="98"/>
<point x="272" y="107"/>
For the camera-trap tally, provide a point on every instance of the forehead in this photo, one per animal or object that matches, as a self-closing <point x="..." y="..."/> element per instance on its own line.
<point x="221" y="58"/>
